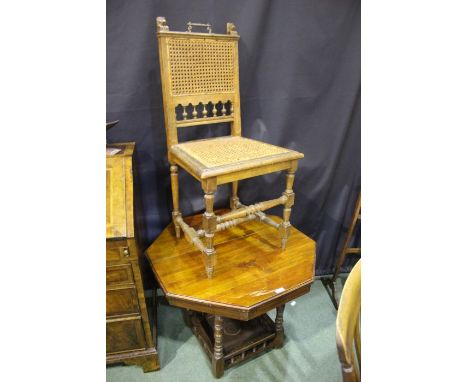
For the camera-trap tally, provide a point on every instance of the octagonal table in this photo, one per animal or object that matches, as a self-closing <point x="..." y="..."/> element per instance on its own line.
<point x="252" y="276"/>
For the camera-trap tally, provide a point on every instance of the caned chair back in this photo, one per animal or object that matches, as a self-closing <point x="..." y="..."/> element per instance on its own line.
<point x="348" y="326"/>
<point x="200" y="78"/>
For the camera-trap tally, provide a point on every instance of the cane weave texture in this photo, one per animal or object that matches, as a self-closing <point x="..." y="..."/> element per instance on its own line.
<point x="228" y="150"/>
<point x="201" y="66"/>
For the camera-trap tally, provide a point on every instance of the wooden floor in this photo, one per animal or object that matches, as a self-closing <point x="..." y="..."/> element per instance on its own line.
<point x="251" y="268"/>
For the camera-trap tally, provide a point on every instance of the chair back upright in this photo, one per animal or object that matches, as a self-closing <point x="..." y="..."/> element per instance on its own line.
<point x="200" y="78"/>
<point x="348" y="326"/>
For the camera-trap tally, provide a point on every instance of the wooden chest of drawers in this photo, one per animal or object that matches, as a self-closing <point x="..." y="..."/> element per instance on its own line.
<point x="129" y="336"/>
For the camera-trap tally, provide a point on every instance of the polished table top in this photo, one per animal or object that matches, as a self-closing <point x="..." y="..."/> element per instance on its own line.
<point x="252" y="273"/>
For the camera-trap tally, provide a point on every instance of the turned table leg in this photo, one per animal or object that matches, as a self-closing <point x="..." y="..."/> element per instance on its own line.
<point x="279" y="338"/>
<point x="187" y="315"/>
<point x="218" y="356"/>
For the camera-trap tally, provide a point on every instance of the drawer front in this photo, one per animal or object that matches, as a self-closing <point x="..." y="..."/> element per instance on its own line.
<point x="121" y="301"/>
<point x="117" y="253"/>
<point x="119" y="274"/>
<point x="124" y="335"/>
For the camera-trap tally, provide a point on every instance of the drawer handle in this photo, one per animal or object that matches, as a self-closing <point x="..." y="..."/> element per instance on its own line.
<point x="126" y="253"/>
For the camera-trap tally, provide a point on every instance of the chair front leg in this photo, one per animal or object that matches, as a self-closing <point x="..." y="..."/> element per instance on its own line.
<point x="209" y="226"/>
<point x="175" y="198"/>
<point x="286" y="225"/>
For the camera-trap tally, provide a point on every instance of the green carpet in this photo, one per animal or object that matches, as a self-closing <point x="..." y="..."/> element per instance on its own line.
<point x="309" y="352"/>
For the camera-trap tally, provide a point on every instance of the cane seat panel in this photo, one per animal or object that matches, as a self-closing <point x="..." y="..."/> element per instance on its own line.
<point x="222" y="155"/>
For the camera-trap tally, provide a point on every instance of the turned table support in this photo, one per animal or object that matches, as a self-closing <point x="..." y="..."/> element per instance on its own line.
<point x="279" y="338"/>
<point x="218" y="356"/>
<point x="272" y="337"/>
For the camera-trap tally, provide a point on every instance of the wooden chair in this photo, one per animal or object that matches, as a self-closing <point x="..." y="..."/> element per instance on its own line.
<point x="329" y="283"/>
<point x="348" y="327"/>
<point x="200" y="83"/>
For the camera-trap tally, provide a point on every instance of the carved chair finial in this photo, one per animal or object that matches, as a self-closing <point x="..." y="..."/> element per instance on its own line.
<point x="161" y="25"/>
<point x="231" y="29"/>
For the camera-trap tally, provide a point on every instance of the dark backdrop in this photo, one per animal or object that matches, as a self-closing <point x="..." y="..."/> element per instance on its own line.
<point x="300" y="88"/>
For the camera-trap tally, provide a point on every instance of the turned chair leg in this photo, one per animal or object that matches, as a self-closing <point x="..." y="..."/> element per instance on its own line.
<point x="209" y="226"/>
<point x="286" y="225"/>
<point x="175" y="198"/>
<point x="234" y="198"/>
<point x="218" y="356"/>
